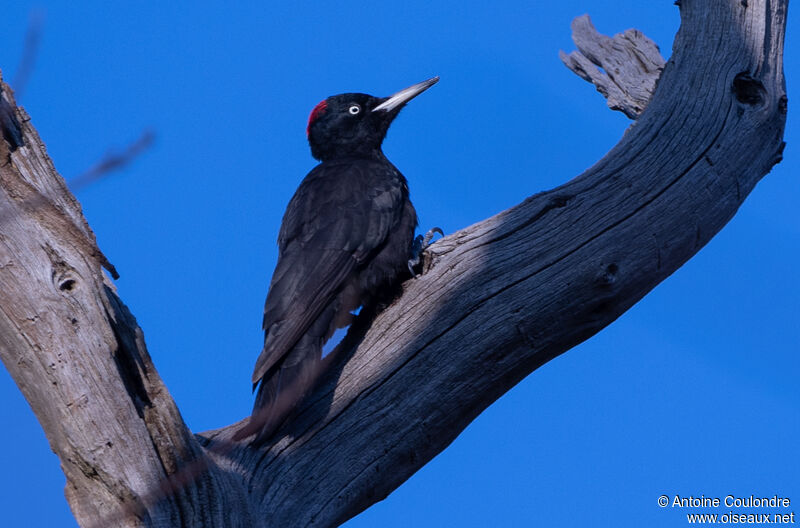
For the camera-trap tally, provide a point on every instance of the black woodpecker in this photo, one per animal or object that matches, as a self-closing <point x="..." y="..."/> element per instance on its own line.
<point x="346" y="236"/>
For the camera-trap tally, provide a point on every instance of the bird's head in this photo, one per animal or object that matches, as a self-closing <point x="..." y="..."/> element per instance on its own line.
<point x="354" y="124"/>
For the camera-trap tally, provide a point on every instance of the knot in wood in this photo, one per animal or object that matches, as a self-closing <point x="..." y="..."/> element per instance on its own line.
<point x="67" y="284"/>
<point x="748" y="90"/>
<point x="783" y="104"/>
<point x="608" y="276"/>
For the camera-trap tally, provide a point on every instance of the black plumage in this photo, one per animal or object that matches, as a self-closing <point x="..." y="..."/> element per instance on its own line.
<point x="346" y="237"/>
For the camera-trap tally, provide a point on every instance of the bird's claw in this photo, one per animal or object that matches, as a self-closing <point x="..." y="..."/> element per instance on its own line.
<point x="420" y="244"/>
<point x="426" y="240"/>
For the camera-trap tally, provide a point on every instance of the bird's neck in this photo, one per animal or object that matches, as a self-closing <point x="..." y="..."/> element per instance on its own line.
<point x="370" y="153"/>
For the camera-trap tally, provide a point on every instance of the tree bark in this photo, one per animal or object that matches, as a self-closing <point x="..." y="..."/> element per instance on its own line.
<point x="498" y="299"/>
<point x="631" y="65"/>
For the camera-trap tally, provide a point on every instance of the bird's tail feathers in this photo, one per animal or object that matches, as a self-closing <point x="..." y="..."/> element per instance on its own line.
<point x="281" y="389"/>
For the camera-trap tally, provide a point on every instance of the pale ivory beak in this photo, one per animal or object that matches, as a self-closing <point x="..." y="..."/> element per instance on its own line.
<point x="405" y="95"/>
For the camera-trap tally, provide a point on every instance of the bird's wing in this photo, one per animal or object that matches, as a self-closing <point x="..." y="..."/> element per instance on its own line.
<point x="337" y="218"/>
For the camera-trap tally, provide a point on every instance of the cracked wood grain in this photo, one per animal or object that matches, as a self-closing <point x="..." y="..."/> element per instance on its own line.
<point x="498" y="299"/>
<point x="625" y="68"/>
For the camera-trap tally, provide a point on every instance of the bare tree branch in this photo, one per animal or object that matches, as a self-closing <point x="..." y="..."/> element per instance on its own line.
<point x="30" y="51"/>
<point x="499" y="299"/>
<point x="631" y="65"/>
<point x="113" y="161"/>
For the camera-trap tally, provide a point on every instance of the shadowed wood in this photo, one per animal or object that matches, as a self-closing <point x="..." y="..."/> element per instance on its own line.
<point x="498" y="299"/>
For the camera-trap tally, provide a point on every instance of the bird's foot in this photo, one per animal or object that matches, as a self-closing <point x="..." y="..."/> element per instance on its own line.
<point x="420" y="244"/>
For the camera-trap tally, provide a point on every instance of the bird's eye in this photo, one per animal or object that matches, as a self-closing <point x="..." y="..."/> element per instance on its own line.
<point x="354" y="109"/>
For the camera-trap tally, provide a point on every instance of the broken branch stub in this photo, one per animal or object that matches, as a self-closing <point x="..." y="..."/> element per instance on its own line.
<point x="625" y="68"/>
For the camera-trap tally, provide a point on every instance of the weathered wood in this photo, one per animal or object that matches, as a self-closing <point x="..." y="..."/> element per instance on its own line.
<point x="631" y="65"/>
<point x="499" y="299"/>
<point x="79" y="358"/>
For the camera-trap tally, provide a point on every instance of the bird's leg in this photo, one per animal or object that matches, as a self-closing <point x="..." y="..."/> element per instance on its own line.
<point x="420" y="244"/>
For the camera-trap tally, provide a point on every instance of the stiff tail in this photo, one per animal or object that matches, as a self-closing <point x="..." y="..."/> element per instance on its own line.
<point x="287" y="382"/>
<point x="281" y="389"/>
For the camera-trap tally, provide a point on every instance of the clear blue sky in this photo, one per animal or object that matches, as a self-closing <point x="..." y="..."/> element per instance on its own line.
<point x="693" y="391"/>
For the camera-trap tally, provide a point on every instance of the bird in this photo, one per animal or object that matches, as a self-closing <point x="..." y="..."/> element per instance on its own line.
<point x="346" y="237"/>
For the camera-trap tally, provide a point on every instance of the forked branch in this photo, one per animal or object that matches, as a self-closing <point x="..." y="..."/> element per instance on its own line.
<point x="498" y="299"/>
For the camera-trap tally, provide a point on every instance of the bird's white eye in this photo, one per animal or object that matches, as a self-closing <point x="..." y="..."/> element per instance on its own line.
<point x="354" y="109"/>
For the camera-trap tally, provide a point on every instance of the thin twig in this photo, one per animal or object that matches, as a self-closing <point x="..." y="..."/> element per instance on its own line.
<point x="30" y="50"/>
<point x="113" y="161"/>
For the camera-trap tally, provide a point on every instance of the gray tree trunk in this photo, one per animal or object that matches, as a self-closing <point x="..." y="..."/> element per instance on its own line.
<point x="498" y="299"/>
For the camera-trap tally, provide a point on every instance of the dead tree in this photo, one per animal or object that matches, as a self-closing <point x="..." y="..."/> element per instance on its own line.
<point x="498" y="298"/>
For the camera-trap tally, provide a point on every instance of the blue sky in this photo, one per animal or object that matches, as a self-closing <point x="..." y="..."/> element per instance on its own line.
<point x="693" y="391"/>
